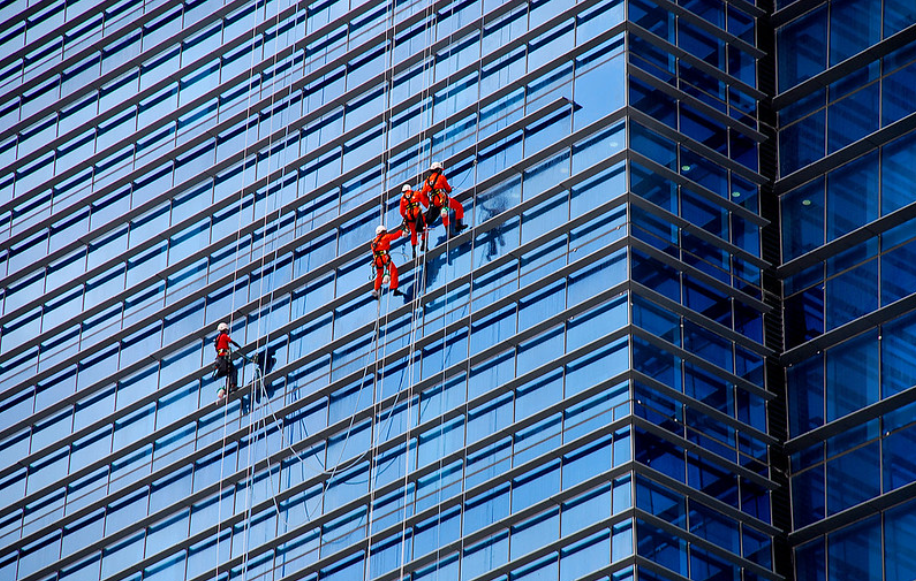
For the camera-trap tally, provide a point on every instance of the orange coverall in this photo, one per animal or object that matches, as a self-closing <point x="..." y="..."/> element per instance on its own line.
<point x="413" y="214"/>
<point x="380" y="258"/>
<point x="435" y="195"/>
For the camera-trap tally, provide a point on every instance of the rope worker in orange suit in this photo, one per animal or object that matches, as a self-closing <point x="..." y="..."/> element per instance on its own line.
<point x="413" y="216"/>
<point x="385" y="269"/>
<point x="435" y="195"/>
<point x="223" y="366"/>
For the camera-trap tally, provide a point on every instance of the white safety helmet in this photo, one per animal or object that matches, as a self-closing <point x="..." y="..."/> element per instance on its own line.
<point x="405" y="188"/>
<point x="436" y="165"/>
<point x="379" y="229"/>
<point x="222" y="327"/>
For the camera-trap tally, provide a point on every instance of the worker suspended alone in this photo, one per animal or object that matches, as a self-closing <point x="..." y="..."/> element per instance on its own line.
<point x="414" y="220"/>
<point x="385" y="269"/>
<point x="223" y="366"/>
<point x="435" y="195"/>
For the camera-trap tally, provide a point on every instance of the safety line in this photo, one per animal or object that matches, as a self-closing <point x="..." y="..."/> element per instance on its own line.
<point x="379" y="379"/>
<point x="253" y="396"/>
<point x="378" y="382"/>
<point x="429" y="69"/>
<point x="254" y="27"/>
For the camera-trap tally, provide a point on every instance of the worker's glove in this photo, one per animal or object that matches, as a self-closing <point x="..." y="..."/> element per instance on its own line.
<point x="405" y="228"/>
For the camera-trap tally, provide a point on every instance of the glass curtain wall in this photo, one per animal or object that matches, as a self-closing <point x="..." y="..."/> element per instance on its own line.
<point x="846" y="146"/>
<point x="573" y="387"/>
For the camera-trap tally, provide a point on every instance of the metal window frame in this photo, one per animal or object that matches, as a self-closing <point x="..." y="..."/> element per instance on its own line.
<point x="244" y="114"/>
<point x="240" y="157"/>
<point x="856" y="149"/>
<point x="849" y="240"/>
<point x="320" y="521"/>
<point x="840" y="70"/>
<point x="354" y="376"/>
<point x="699" y="106"/>
<point x="244" y="270"/>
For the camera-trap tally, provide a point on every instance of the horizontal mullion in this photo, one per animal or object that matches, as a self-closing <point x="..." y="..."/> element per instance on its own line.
<point x="252" y="306"/>
<point x="24" y="14"/>
<point x="695" y="230"/>
<point x="855" y="513"/>
<point x="712" y="29"/>
<point x="152" y="52"/>
<point x="702" y="276"/>
<point x="650" y="565"/>
<point x="737" y="560"/>
<point x="843" y="69"/>
<point x="503" y="571"/>
<point x="458" y="499"/>
<point x="352" y="295"/>
<point x="356" y="333"/>
<point x="326" y="391"/>
<point x="111" y="75"/>
<point x="267" y="141"/>
<point x="700" y="190"/>
<point x="248" y="112"/>
<point x="851" y="420"/>
<point x="704" y="108"/>
<point x="297" y="163"/>
<point x="707" y="366"/>
<point x="696" y="62"/>
<point x="318" y="439"/>
<point x="852" y="239"/>
<point x="108" y="38"/>
<point x="704" y="408"/>
<point x="252" y="266"/>
<point x="835" y="336"/>
<point x="321" y="520"/>
<point x="689" y="446"/>
<point x="349" y="338"/>
<point x="697" y="147"/>
<point x="703" y="321"/>
<point x="710" y="501"/>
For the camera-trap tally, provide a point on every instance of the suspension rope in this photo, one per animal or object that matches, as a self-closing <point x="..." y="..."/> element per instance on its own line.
<point x="253" y="396"/>
<point x="429" y="69"/>
<point x="415" y="314"/>
<point x="379" y="380"/>
<point x="238" y="238"/>
<point x="249" y="493"/>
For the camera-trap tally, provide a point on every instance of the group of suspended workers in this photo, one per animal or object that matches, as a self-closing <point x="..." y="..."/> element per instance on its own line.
<point x="434" y="197"/>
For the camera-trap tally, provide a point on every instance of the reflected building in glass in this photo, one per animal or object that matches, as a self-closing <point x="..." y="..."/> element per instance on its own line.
<point x="674" y="342"/>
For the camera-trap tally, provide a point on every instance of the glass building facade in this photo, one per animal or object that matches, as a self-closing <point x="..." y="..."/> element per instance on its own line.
<point x="674" y="342"/>
<point x="846" y="75"/>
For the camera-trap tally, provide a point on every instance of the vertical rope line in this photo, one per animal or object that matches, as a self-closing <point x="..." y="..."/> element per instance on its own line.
<point x="249" y="494"/>
<point x="252" y="434"/>
<point x="467" y="383"/>
<point x="267" y="193"/>
<point x="429" y="70"/>
<point x="378" y="379"/>
<point x="238" y="237"/>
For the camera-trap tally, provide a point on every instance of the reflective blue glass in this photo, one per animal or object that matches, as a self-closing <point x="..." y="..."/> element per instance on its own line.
<point x="802" y="48"/>
<point x="174" y="167"/>
<point x="855" y="551"/>
<point x="898" y="553"/>
<point x="851" y="375"/>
